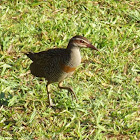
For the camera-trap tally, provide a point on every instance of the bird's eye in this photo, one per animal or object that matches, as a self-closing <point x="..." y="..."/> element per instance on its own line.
<point x="81" y="41"/>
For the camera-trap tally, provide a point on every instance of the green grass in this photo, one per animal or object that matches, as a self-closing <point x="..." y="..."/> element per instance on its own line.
<point x="107" y="83"/>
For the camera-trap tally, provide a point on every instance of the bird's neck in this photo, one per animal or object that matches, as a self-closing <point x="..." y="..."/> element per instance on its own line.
<point x="72" y="46"/>
<point x="75" y="56"/>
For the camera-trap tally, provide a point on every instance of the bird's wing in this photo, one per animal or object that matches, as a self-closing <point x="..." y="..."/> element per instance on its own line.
<point x="45" y="56"/>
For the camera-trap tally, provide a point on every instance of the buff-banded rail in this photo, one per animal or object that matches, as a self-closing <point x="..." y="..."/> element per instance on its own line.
<point x="57" y="64"/>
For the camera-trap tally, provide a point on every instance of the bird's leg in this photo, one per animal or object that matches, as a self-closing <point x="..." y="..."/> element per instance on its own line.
<point x="68" y="88"/>
<point x="49" y="95"/>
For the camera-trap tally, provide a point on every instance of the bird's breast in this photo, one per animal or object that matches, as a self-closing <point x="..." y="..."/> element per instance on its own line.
<point x="70" y="62"/>
<point x="67" y="68"/>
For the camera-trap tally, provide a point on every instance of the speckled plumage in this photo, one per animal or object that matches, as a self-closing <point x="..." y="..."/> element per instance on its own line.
<point x="48" y="64"/>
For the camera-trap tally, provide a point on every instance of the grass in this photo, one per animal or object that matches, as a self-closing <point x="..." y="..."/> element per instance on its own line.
<point x="107" y="83"/>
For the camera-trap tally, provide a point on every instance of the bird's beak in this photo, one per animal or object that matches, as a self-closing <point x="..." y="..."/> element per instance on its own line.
<point x="92" y="47"/>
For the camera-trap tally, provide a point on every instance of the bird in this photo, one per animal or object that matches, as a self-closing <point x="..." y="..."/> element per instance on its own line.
<point x="57" y="64"/>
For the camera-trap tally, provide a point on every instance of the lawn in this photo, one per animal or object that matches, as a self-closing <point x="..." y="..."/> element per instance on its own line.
<point x="107" y="83"/>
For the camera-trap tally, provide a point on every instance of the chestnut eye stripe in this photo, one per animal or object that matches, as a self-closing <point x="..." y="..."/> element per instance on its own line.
<point x="80" y="41"/>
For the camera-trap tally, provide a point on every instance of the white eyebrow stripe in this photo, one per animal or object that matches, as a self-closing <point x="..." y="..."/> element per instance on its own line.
<point x="82" y="40"/>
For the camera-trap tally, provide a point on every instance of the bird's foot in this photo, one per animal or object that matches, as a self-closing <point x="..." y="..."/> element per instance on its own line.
<point x="52" y="105"/>
<point x="72" y="94"/>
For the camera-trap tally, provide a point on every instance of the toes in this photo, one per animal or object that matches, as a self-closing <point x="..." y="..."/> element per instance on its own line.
<point x="52" y="105"/>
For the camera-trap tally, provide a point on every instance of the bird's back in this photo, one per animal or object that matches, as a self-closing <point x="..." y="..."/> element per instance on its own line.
<point x="46" y="55"/>
<point x="47" y="64"/>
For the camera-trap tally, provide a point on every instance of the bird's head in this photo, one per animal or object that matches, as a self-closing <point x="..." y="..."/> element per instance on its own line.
<point x="81" y="42"/>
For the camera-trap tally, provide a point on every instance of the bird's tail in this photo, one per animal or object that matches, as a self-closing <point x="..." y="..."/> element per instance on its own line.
<point x="30" y="55"/>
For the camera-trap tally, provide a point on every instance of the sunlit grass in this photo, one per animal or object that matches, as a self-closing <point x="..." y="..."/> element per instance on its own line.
<point x="107" y="83"/>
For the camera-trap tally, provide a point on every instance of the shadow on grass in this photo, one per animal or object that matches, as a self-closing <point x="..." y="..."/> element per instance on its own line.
<point x="4" y="99"/>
